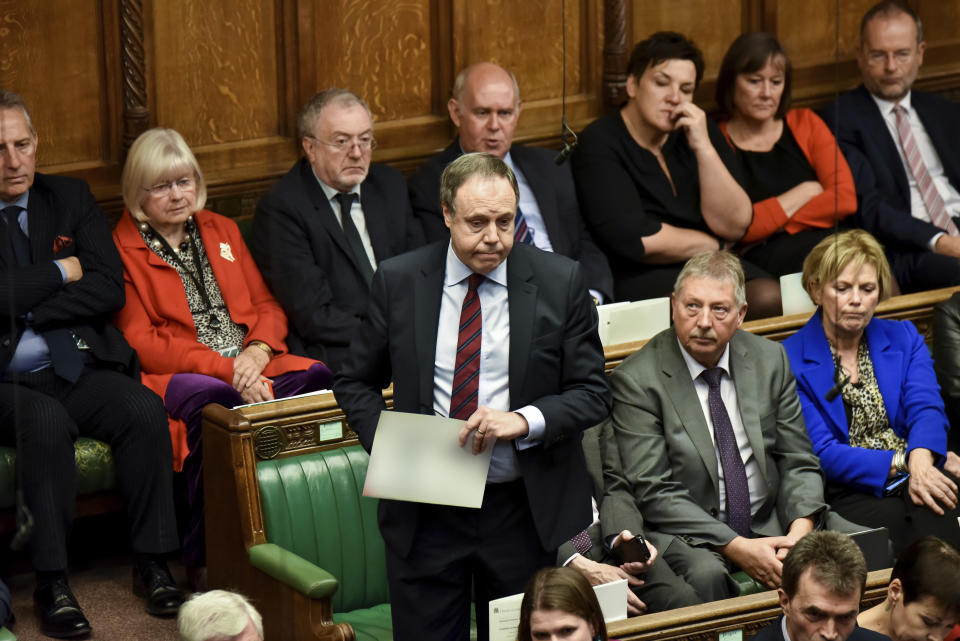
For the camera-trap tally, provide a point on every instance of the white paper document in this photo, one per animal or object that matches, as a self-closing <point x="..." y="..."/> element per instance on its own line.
<point x="505" y="612"/>
<point x="416" y="457"/>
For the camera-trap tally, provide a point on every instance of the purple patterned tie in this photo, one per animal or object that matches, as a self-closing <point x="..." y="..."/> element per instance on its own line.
<point x="581" y="542"/>
<point x="466" y="369"/>
<point x="734" y="474"/>
<point x="521" y="231"/>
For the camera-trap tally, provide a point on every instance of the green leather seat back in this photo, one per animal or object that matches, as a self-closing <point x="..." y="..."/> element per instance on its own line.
<point x="95" y="469"/>
<point x="314" y="507"/>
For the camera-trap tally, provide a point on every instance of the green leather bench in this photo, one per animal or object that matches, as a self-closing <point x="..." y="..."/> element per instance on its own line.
<point x="323" y="536"/>
<point x="95" y="470"/>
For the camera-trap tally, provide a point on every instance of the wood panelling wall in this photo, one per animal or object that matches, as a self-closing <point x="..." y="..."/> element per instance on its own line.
<point x="230" y="75"/>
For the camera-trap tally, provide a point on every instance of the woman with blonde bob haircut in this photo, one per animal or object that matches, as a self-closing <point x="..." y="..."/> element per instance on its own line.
<point x="559" y="603"/>
<point x="870" y="399"/>
<point x="199" y="314"/>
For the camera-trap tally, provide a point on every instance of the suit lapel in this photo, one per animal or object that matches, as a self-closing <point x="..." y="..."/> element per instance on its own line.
<point x="874" y="121"/>
<point x="819" y="371"/>
<point x="887" y="366"/>
<point x="522" y="295"/>
<point x="324" y="211"/>
<point x="686" y="403"/>
<point x="376" y="211"/>
<point x="748" y="385"/>
<point x="544" y="194"/>
<point x="935" y="123"/>
<point x="427" y="293"/>
<point x="41" y="226"/>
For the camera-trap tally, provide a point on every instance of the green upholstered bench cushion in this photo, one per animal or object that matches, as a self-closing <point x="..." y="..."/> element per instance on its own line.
<point x="95" y="470"/>
<point x="313" y="506"/>
<point x="292" y="570"/>
<point x="7" y="635"/>
<point x="369" y="624"/>
<point x="747" y="584"/>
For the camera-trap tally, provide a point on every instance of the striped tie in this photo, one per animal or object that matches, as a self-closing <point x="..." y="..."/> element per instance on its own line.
<point x="928" y="191"/>
<point x="466" y="372"/>
<point x="521" y="231"/>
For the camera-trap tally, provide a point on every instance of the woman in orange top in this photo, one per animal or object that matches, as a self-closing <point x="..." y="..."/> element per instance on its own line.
<point x="198" y="313"/>
<point x="798" y="181"/>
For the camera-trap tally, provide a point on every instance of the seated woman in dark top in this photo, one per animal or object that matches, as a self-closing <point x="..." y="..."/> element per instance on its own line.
<point x="799" y="184"/>
<point x="654" y="179"/>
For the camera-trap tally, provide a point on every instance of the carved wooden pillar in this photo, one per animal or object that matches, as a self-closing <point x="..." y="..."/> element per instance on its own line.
<point x="614" y="52"/>
<point x="133" y="62"/>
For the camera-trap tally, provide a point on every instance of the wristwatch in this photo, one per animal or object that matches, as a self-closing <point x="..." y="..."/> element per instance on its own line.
<point x="262" y="346"/>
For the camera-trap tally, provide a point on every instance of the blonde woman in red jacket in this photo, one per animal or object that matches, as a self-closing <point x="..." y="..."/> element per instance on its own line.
<point x="799" y="183"/>
<point x="198" y="313"/>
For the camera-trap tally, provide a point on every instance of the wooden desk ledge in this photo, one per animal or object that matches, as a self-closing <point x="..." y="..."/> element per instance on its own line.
<point x="706" y="622"/>
<point x="915" y="307"/>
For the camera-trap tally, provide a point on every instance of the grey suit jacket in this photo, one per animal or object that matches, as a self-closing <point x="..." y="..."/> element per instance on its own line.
<point x="668" y="455"/>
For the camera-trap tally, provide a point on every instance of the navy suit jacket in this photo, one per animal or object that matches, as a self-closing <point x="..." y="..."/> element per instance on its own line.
<point x="555" y="364"/>
<point x="64" y="220"/>
<point x="303" y="254"/>
<point x="553" y="188"/>
<point x="883" y="190"/>
<point x="774" y="632"/>
<point x="908" y="385"/>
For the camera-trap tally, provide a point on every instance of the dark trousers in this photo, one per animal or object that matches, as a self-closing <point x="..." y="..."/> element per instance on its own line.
<point x="783" y="253"/>
<point x="186" y="396"/>
<point x="905" y="521"/>
<point x="43" y="415"/>
<point x="918" y="271"/>
<point x="491" y="552"/>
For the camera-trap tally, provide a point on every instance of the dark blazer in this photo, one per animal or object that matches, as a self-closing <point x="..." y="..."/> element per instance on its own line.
<point x="556" y="364"/>
<point x="668" y="454"/>
<point x="301" y="251"/>
<point x="774" y="632"/>
<point x="552" y="186"/>
<point x="883" y="190"/>
<point x="64" y="220"/>
<point x="908" y="385"/>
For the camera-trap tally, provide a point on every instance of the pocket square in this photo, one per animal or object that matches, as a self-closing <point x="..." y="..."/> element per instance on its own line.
<point x="60" y="243"/>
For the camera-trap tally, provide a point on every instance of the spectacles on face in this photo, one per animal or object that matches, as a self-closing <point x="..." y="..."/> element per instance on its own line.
<point x="879" y="58"/>
<point x="163" y="190"/>
<point x="343" y="143"/>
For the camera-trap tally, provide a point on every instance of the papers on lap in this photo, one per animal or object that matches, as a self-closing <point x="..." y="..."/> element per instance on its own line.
<point x="416" y="457"/>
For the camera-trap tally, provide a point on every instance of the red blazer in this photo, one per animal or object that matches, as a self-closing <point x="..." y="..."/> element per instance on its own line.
<point x="157" y="322"/>
<point x="819" y="146"/>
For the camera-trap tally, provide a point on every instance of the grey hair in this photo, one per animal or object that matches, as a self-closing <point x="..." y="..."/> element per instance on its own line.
<point x="216" y="615"/>
<point x="465" y="167"/>
<point x="718" y="265"/>
<point x="310" y="113"/>
<point x="888" y="9"/>
<point x="11" y="100"/>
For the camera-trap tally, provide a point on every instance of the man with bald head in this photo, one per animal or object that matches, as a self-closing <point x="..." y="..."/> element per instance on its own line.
<point x="485" y="107"/>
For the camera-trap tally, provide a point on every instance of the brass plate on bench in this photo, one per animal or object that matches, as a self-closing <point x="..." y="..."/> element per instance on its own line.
<point x="268" y="441"/>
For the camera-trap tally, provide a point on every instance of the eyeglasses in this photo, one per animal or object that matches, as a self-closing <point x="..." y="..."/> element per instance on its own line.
<point x="163" y="190"/>
<point x="343" y="143"/>
<point x="900" y="58"/>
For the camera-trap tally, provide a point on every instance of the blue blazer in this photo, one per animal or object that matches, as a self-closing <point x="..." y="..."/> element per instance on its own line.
<point x="907" y="383"/>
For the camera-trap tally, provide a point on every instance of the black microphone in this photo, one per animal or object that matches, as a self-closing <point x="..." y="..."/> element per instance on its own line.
<point x="565" y="152"/>
<point x="842" y="379"/>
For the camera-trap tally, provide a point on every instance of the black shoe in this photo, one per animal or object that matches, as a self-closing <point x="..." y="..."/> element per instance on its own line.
<point x="59" y="613"/>
<point x="152" y="581"/>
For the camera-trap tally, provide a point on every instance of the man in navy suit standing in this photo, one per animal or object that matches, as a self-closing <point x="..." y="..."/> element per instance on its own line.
<point x="902" y="148"/>
<point x="319" y="233"/>
<point x="485" y="107"/>
<point x="65" y="372"/>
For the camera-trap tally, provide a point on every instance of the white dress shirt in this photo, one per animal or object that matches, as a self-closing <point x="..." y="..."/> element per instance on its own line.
<point x="356" y="213"/>
<point x="949" y="194"/>
<point x="728" y="392"/>
<point x="494" y="384"/>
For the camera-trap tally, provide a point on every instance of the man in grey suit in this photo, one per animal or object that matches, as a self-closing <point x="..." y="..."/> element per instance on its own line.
<point x="711" y="437"/>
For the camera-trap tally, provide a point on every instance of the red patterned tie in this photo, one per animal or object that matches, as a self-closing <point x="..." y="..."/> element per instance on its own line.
<point x="928" y="191"/>
<point x="466" y="372"/>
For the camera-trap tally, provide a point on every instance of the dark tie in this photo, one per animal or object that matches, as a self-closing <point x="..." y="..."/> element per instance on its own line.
<point x="353" y="236"/>
<point x="66" y="359"/>
<point x="466" y="371"/>
<point x="734" y="474"/>
<point x="521" y="231"/>
<point x="581" y="542"/>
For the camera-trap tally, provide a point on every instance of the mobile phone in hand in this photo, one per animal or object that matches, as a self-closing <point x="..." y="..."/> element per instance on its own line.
<point x="633" y="550"/>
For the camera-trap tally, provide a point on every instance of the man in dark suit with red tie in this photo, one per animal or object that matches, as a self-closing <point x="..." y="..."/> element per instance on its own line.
<point x="317" y="261"/>
<point x="67" y="372"/>
<point x="503" y="336"/>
